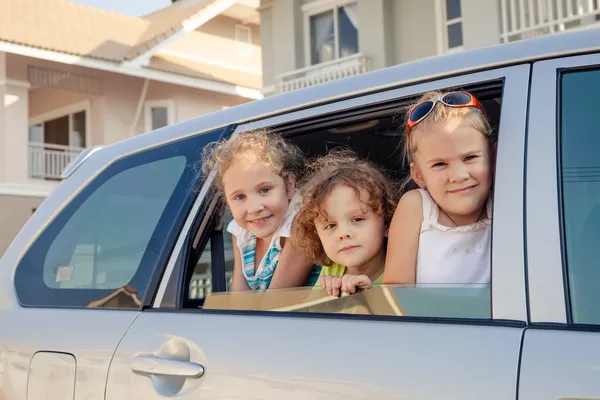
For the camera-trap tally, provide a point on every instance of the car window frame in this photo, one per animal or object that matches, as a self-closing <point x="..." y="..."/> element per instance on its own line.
<point x="508" y="282"/>
<point x="546" y="261"/>
<point x="116" y="165"/>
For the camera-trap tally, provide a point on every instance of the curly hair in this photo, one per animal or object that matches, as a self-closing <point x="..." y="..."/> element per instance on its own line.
<point x="474" y="115"/>
<point x="260" y="144"/>
<point x="339" y="168"/>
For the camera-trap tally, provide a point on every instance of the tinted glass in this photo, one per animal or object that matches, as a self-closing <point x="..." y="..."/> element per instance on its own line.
<point x="160" y="117"/>
<point x="348" y="30"/>
<point x="111" y="242"/>
<point x="438" y="301"/>
<point x="453" y="9"/>
<point x="322" y="38"/>
<point x="455" y="36"/>
<point x="580" y="173"/>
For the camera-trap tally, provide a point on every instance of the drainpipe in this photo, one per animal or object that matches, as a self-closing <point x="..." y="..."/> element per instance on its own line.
<point x="140" y="106"/>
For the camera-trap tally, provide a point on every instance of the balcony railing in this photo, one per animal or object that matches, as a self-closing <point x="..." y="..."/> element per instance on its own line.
<point x="524" y="19"/>
<point x="47" y="161"/>
<point x="201" y="285"/>
<point x="324" y="72"/>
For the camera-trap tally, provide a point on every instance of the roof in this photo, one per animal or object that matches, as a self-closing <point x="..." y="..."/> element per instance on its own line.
<point x="75" y="29"/>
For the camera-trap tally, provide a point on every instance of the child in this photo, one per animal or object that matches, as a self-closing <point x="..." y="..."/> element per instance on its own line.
<point x="440" y="232"/>
<point x="256" y="171"/>
<point x="345" y="214"/>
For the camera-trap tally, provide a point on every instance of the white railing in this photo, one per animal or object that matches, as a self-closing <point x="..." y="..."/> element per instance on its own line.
<point x="47" y="161"/>
<point x="524" y="19"/>
<point x="324" y="72"/>
<point x="201" y="285"/>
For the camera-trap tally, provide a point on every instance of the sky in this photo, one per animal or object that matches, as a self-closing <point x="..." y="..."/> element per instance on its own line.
<point x="134" y="8"/>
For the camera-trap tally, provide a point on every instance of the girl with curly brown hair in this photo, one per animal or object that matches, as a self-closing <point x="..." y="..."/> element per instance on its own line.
<point x="343" y="221"/>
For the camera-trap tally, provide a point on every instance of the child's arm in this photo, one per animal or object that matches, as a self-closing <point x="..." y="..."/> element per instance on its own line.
<point x="403" y="240"/>
<point x="238" y="281"/>
<point x="293" y="267"/>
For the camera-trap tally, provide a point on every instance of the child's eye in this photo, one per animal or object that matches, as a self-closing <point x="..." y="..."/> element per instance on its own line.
<point x="439" y="165"/>
<point x="471" y="157"/>
<point x="357" y="219"/>
<point x="239" y="197"/>
<point x="329" y="226"/>
<point x="264" y="190"/>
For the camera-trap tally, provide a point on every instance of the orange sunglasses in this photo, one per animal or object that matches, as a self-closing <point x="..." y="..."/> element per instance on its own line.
<point x="452" y="99"/>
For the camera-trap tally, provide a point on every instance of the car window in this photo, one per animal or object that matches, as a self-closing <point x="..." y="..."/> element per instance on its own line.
<point x="580" y="176"/>
<point x="201" y="283"/>
<point x="102" y="249"/>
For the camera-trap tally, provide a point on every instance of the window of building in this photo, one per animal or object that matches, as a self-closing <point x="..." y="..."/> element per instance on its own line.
<point x="580" y="173"/>
<point x="453" y="24"/>
<point x="158" y="114"/>
<point x="56" y="138"/>
<point x="243" y="40"/>
<point x="332" y="32"/>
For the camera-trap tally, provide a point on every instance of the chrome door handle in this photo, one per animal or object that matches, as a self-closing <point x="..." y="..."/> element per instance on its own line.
<point x="152" y="365"/>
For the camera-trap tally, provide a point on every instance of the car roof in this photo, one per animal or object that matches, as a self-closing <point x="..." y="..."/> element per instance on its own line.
<point x="550" y="46"/>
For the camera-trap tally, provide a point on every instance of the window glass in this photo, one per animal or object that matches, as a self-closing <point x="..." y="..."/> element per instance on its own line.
<point x="453" y="9"/>
<point x="104" y="247"/>
<point x="580" y="173"/>
<point x="455" y="35"/>
<point x="78" y="131"/>
<point x="348" y="30"/>
<point x="322" y="38"/>
<point x="436" y="301"/>
<point x="160" y="117"/>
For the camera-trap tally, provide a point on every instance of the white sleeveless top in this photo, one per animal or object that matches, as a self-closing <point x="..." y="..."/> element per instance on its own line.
<point x="453" y="255"/>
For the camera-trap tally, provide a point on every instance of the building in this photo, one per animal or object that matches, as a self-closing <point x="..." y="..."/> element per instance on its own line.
<point x="73" y="76"/>
<point x="307" y="42"/>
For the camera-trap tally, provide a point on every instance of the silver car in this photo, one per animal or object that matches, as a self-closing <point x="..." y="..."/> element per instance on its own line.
<point x="116" y="288"/>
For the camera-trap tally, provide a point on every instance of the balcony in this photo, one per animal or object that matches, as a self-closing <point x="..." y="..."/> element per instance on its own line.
<point x="525" y="19"/>
<point x="47" y="161"/>
<point x="325" y="72"/>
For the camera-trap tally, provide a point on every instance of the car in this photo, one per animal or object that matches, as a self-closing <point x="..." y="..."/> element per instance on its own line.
<point x="117" y="286"/>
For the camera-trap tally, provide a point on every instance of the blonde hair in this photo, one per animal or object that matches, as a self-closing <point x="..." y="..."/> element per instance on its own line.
<point x="284" y="157"/>
<point x="441" y="112"/>
<point x="339" y="168"/>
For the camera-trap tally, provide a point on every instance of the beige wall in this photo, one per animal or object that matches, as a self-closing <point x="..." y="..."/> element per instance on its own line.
<point x="481" y="23"/>
<point x="414" y="30"/>
<point x="214" y="42"/>
<point x="14" y="212"/>
<point x="376" y="35"/>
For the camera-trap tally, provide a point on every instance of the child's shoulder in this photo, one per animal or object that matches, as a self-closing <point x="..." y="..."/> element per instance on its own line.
<point x="411" y="201"/>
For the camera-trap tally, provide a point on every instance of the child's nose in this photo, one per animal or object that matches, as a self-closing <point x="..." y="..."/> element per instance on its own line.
<point x="459" y="173"/>
<point x="256" y="206"/>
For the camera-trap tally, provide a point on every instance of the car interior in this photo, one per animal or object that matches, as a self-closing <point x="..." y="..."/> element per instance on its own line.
<point x="373" y="131"/>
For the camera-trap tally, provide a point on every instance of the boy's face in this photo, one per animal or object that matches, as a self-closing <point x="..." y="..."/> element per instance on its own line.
<point x="351" y="233"/>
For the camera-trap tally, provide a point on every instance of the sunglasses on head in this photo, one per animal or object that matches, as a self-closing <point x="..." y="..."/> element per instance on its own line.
<point x="453" y="99"/>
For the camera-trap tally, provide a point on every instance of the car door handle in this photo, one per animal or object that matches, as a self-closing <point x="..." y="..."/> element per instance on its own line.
<point x="153" y="365"/>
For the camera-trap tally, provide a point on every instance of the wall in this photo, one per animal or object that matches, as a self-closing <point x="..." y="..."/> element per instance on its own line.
<point x="214" y="43"/>
<point x="481" y="23"/>
<point x="414" y="30"/>
<point x="375" y="34"/>
<point x="14" y="212"/>
<point x="285" y="46"/>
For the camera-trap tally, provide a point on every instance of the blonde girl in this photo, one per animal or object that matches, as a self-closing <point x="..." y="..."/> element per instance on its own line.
<point x="441" y="230"/>
<point x="256" y="172"/>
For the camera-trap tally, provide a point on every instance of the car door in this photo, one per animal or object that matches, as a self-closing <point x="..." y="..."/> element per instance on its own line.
<point x="200" y="353"/>
<point x="561" y="348"/>
<point x="76" y="276"/>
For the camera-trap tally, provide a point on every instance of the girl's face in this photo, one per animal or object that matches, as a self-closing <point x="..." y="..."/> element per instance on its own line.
<point x="257" y="196"/>
<point x="352" y="234"/>
<point x="453" y="162"/>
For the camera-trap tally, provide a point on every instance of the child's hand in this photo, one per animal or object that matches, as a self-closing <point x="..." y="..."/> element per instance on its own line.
<point x="331" y="284"/>
<point x="351" y="282"/>
<point x="346" y="284"/>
